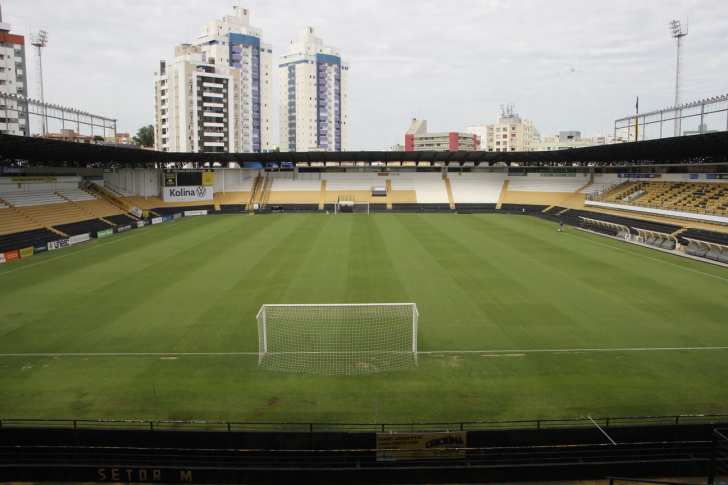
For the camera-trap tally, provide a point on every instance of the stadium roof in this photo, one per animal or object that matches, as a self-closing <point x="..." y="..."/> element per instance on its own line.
<point x="707" y="148"/>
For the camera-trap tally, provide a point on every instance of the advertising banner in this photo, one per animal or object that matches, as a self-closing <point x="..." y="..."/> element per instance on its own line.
<point x="2" y="258"/>
<point x="11" y="255"/>
<point x="195" y="213"/>
<point x="7" y="170"/>
<point x="123" y="228"/>
<point x="79" y="238"/>
<point x="177" y="216"/>
<point x="105" y="233"/>
<point x="208" y="178"/>
<point x="640" y="175"/>
<point x="140" y="223"/>
<point x="26" y="252"/>
<point x="166" y="218"/>
<point x="97" y="189"/>
<point x="418" y="446"/>
<point x="41" y="248"/>
<point x="33" y="180"/>
<point x="157" y="220"/>
<point x="186" y="194"/>
<point x="61" y="243"/>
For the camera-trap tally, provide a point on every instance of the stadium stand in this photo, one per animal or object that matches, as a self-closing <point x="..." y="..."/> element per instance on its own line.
<point x="120" y="219"/>
<point x="76" y="195"/>
<point x="429" y="187"/>
<point x="10" y="242"/>
<point x="82" y="227"/>
<point x="476" y="188"/>
<point x="35" y="198"/>
<point x="537" y="183"/>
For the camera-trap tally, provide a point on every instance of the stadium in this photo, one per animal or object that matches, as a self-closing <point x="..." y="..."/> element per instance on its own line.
<point x="368" y="316"/>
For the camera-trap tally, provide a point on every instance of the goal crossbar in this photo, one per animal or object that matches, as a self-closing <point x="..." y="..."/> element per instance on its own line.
<point x="337" y="338"/>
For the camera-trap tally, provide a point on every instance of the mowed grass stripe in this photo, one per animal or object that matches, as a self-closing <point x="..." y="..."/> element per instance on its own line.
<point x="484" y="283"/>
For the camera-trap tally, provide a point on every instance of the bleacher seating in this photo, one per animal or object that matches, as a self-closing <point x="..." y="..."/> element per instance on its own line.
<point x="82" y="227"/>
<point x="19" y="240"/>
<point x="649" y="225"/>
<point x="476" y="188"/>
<point x="28" y="199"/>
<point x="707" y="236"/>
<point x="429" y="187"/>
<point x="76" y="195"/>
<point x="120" y="219"/>
<point x="537" y="183"/>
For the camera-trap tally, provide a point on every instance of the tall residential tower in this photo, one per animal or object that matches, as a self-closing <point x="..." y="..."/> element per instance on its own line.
<point x="314" y="96"/>
<point x="216" y="96"/>
<point x="13" y="80"/>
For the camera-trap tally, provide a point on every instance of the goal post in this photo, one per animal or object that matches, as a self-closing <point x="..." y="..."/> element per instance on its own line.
<point x="347" y="205"/>
<point x="344" y="339"/>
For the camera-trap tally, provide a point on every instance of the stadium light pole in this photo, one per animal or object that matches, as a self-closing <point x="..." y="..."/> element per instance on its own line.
<point x="39" y="41"/>
<point x="678" y="33"/>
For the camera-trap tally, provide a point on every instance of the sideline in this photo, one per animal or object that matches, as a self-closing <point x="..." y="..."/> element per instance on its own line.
<point x="94" y="246"/>
<point x="647" y="257"/>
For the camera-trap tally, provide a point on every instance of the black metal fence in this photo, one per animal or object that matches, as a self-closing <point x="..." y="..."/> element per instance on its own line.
<point x="379" y="427"/>
<point x="719" y="458"/>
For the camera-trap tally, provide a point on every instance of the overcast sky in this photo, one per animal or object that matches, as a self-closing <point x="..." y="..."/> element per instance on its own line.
<point x="569" y="65"/>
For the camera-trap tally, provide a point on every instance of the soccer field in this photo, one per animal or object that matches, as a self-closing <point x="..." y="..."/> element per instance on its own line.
<point x="517" y="321"/>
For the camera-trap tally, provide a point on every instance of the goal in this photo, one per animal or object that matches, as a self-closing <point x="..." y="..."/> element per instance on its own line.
<point x="346" y="205"/>
<point x="337" y="339"/>
<point x="351" y="208"/>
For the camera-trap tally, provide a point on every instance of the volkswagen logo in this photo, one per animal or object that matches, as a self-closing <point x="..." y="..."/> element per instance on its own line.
<point x="201" y="191"/>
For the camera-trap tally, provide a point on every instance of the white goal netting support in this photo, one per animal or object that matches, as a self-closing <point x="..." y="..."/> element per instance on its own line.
<point x="347" y="205"/>
<point x="337" y="339"/>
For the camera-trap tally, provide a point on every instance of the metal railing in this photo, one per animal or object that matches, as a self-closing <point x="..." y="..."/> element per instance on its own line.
<point x="369" y="427"/>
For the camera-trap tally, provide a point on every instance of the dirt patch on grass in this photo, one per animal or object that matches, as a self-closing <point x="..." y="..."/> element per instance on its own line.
<point x="469" y="399"/>
<point x="453" y="360"/>
<point x="273" y="401"/>
<point x="26" y="367"/>
<point x="168" y="358"/>
<point x="309" y="403"/>
<point x="502" y="355"/>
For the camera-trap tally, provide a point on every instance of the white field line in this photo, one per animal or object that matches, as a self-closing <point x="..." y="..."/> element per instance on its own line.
<point x="96" y="245"/>
<point x="429" y="352"/>
<point x="648" y="257"/>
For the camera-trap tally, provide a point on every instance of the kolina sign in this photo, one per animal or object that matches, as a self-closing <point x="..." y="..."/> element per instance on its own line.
<point x="186" y="194"/>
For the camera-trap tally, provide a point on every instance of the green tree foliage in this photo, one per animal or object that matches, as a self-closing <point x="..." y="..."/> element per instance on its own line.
<point x="145" y="136"/>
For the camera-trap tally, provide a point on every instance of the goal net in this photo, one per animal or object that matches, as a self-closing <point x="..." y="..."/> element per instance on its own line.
<point x="337" y="339"/>
<point x="347" y="205"/>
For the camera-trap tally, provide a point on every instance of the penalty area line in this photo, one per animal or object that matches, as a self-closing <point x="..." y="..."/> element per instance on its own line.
<point x="564" y="351"/>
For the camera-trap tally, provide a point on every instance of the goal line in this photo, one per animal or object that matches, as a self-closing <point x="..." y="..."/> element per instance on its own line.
<point x="426" y="352"/>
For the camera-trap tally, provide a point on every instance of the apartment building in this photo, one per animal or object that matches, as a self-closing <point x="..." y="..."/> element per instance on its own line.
<point x="216" y="96"/>
<point x="313" y="84"/>
<point x="13" y="81"/>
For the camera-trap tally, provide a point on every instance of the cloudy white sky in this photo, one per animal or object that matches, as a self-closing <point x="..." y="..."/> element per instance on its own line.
<point x="569" y="65"/>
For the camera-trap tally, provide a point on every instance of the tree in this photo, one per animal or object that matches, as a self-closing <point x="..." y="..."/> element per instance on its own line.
<point x="145" y="136"/>
<point x="98" y="139"/>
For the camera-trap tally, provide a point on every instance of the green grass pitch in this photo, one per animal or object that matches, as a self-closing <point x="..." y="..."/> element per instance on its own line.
<point x="495" y="293"/>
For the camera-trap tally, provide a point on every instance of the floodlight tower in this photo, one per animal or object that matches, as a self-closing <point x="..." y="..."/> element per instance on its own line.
<point x="39" y="41"/>
<point x="678" y="33"/>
